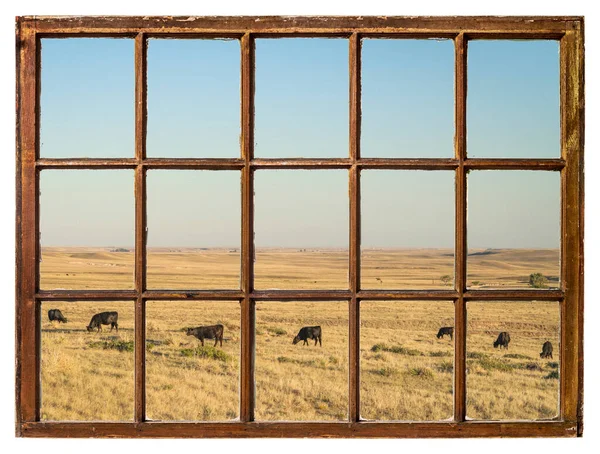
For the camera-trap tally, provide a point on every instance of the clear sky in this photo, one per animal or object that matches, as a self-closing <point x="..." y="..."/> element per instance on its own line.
<point x="87" y="110"/>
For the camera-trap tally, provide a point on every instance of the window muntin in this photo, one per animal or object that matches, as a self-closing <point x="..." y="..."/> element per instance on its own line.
<point x="570" y="40"/>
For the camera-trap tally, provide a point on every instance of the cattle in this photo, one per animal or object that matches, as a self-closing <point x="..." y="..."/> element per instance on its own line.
<point x="308" y="332"/>
<point x="207" y="332"/>
<point x="104" y="318"/>
<point x="503" y="340"/>
<point x="546" y="350"/>
<point x="449" y="330"/>
<point x="56" y="315"/>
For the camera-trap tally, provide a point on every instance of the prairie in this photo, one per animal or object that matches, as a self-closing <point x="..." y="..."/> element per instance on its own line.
<point x="406" y="372"/>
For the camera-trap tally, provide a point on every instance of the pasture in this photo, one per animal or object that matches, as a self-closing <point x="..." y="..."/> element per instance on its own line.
<point x="406" y="372"/>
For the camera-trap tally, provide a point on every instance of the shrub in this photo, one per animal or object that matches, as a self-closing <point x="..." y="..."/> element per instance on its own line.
<point x="206" y="352"/>
<point x="119" y="345"/>
<point x="277" y="331"/>
<point x="446" y="279"/>
<point x="495" y="364"/>
<point x="440" y="354"/>
<point x="476" y="355"/>
<point x="537" y="280"/>
<point x="422" y="372"/>
<point x="553" y="374"/>
<point x="386" y="371"/>
<point x="552" y="364"/>
<point x="517" y="356"/>
<point x="528" y="366"/>
<point x="396" y="349"/>
<point x="445" y="366"/>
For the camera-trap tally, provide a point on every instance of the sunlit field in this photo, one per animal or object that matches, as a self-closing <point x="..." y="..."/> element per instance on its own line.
<point x="406" y="371"/>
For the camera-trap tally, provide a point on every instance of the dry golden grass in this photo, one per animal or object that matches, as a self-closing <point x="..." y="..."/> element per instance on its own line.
<point x="407" y="378"/>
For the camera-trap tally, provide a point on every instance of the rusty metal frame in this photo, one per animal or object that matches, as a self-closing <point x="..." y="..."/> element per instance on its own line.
<point x="567" y="30"/>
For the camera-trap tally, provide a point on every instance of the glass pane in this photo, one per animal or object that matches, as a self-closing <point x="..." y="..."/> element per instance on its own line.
<point x="87" y="98"/>
<point x="87" y="362"/>
<point x="407" y="98"/>
<point x="301" y="365"/>
<point x="193" y="229"/>
<point x="513" y="229"/>
<point x="301" y="101"/>
<point x="301" y="235"/>
<point x="87" y="229"/>
<point x="192" y="376"/>
<point x="513" y="360"/>
<point x="407" y="242"/>
<point x="407" y="360"/>
<point x="193" y="98"/>
<point x="513" y="105"/>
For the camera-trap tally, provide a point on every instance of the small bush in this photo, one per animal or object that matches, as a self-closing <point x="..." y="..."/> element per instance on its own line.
<point x="206" y="352"/>
<point x="528" y="366"/>
<point x="422" y="372"/>
<point x="446" y="279"/>
<point x="552" y="364"/>
<point x="476" y="355"/>
<point x="537" y="280"/>
<point x="277" y="331"/>
<point x="385" y="371"/>
<point x="445" y="366"/>
<point x="551" y="375"/>
<point x="122" y="346"/>
<point x="475" y="283"/>
<point x="378" y="347"/>
<point x="495" y="364"/>
<point x="396" y="349"/>
<point x="440" y="354"/>
<point x="517" y="356"/>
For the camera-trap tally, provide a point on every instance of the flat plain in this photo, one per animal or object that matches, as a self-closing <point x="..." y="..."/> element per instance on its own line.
<point x="406" y="371"/>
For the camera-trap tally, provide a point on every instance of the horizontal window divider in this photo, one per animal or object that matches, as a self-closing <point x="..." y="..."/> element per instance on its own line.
<point x="86" y="163"/>
<point x="232" y="295"/>
<point x="294" y="295"/>
<point x="514" y="295"/>
<point x="194" y="163"/>
<point x="234" y="429"/>
<point x="407" y="295"/>
<point x="90" y="295"/>
<point x="300" y="25"/>
<point x="514" y="164"/>
<point x="408" y="163"/>
<point x="302" y="163"/>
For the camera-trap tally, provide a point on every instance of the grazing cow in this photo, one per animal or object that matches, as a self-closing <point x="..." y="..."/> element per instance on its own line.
<point x="503" y="340"/>
<point x="546" y="350"/>
<point x="308" y="332"/>
<point x="207" y="332"/>
<point x="56" y="315"/>
<point x="104" y="318"/>
<point x="449" y="330"/>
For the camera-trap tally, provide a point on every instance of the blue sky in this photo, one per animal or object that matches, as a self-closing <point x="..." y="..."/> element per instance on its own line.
<point x="301" y="102"/>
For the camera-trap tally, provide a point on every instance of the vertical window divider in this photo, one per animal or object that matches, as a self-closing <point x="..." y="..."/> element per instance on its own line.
<point x="460" y="267"/>
<point x="141" y="45"/>
<point x="247" y="388"/>
<point x="354" y="249"/>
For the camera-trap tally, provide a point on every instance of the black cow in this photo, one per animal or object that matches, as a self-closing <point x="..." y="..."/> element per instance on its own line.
<point x="503" y="340"/>
<point x="104" y="318"/>
<point x="546" y="350"/>
<point x="308" y="332"/>
<point x="449" y="330"/>
<point x="207" y="332"/>
<point x="56" y="315"/>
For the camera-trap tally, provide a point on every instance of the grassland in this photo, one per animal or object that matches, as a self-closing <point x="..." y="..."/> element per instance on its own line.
<point x="406" y="372"/>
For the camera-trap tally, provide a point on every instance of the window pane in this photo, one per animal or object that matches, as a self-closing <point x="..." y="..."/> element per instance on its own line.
<point x="306" y="380"/>
<point x="513" y="105"/>
<point x="513" y="360"/>
<point x="186" y="380"/>
<point x="513" y="229"/>
<point x="87" y="98"/>
<point x="193" y="98"/>
<point x="301" y="100"/>
<point x="193" y="229"/>
<point x="407" y="241"/>
<point x="407" y="98"/>
<point x="407" y="360"/>
<point x="87" y="374"/>
<point x="87" y="229"/>
<point x="301" y="229"/>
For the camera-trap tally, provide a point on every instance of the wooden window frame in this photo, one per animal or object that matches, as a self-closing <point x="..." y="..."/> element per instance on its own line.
<point x="568" y="31"/>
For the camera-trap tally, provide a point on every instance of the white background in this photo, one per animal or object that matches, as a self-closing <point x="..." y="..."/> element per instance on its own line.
<point x="304" y="7"/>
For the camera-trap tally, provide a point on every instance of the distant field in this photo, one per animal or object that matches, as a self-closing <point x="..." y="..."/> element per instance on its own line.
<point x="181" y="268"/>
<point x="406" y="372"/>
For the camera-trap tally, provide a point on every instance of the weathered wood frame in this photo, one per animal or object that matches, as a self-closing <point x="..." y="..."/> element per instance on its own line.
<point x="567" y="30"/>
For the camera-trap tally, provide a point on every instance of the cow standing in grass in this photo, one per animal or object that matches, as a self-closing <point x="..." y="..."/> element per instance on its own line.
<point x="502" y="340"/>
<point x="56" y="315"/>
<point x="449" y="330"/>
<point x="546" y="350"/>
<point x="308" y="332"/>
<point x="104" y="318"/>
<point x="207" y="332"/>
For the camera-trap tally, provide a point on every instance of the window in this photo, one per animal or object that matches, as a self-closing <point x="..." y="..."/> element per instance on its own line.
<point x="440" y="324"/>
